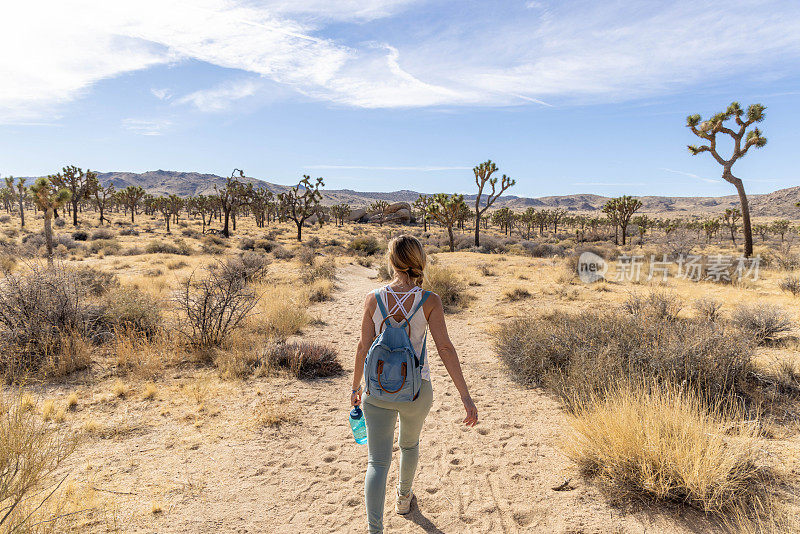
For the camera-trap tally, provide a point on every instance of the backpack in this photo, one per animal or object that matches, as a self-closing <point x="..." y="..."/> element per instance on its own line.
<point x="392" y="368"/>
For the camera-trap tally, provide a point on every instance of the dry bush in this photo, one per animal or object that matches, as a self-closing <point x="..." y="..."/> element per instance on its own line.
<point x="145" y="358"/>
<point x="281" y="312"/>
<point x="30" y="452"/>
<point x="790" y="284"/>
<point x="448" y="284"/>
<point x="708" y="308"/>
<point x="42" y="310"/>
<point x="275" y="413"/>
<point x="306" y="255"/>
<point x="518" y="293"/>
<point x="213" y="306"/>
<point x="763" y="322"/>
<point x="658" y="304"/>
<point x="384" y="273"/>
<point x="578" y="355"/>
<point x="304" y="359"/>
<point x="665" y="444"/>
<point x="318" y="269"/>
<point x="103" y="233"/>
<point x="180" y="248"/>
<point x="320" y="291"/>
<point x="96" y="281"/>
<point x="486" y="270"/>
<point x="247" y="267"/>
<point x="365" y="244"/>
<point x="130" y="311"/>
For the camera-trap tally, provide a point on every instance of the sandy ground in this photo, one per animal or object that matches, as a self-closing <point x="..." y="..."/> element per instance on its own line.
<point x="208" y="468"/>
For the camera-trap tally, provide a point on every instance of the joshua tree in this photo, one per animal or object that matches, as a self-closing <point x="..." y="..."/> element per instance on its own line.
<point x="742" y="141"/>
<point x="340" y="212"/>
<point x="231" y="197"/>
<point x="422" y="203"/>
<point x="78" y="183"/>
<point x="710" y="227"/>
<point x="556" y="216"/>
<point x="130" y="197"/>
<point x="18" y="192"/>
<point x="503" y="218"/>
<point x="163" y="206"/>
<point x="729" y="218"/>
<point x="102" y="197"/>
<point x="483" y="175"/>
<point x="444" y="208"/>
<point x="642" y="223"/>
<point x="780" y="227"/>
<point x="528" y="222"/>
<point x="619" y="211"/>
<point x="49" y="198"/>
<point x="379" y="207"/>
<point x="300" y="206"/>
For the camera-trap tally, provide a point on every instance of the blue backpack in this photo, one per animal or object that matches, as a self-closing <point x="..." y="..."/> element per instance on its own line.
<point x="392" y="368"/>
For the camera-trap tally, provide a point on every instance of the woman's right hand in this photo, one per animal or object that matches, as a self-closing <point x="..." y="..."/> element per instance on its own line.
<point x="472" y="412"/>
<point x="355" y="397"/>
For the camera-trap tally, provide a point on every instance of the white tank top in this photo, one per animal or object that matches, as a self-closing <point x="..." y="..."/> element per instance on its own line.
<point x="419" y="324"/>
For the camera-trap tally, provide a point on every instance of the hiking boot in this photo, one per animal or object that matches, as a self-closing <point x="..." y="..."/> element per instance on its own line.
<point x="403" y="503"/>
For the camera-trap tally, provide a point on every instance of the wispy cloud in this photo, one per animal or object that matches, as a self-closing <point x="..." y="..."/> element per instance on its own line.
<point x="553" y="54"/>
<point x="610" y="184"/>
<point x="219" y="98"/>
<point x="422" y="168"/>
<point x="161" y="94"/>
<point x="146" y="127"/>
<point x="692" y="175"/>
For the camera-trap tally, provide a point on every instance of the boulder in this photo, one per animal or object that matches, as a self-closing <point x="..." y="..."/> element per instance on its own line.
<point x="397" y="206"/>
<point x="356" y="214"/>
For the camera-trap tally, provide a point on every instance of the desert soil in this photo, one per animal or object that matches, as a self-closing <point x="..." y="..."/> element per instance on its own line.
<point x="208" y="468"/>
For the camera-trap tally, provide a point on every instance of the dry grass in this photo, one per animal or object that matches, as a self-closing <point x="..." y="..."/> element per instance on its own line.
<point x="448" y="284"/>
<point x="280" y="312"/>
<point x="666" y="444"/>
<point x="275" y="413"/>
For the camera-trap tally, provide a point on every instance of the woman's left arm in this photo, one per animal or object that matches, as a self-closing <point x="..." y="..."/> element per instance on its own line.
<point x="367" y="335"/>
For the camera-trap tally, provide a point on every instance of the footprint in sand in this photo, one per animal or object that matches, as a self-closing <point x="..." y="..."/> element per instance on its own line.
<point x="483" y="431"/>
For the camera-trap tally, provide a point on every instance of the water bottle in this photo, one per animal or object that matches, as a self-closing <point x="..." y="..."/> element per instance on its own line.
<point x="359" y="425"/>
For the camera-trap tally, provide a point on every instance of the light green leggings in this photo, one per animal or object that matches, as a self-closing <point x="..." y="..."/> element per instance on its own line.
<point x="381" y="417"/>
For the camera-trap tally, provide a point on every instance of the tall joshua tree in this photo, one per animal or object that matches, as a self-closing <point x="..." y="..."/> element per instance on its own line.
<point x="300" y="206"/>
<point x="102" y="197"/>
<point x="78" y="183"/>
<point x="743" y="140"/>
<point x="131" y="196"/>
<point x="48" y="197"/>
<point x="620" y="210"/>
<point x="445" y="209"/>
<point x="231" y="197"/>
<point x="379" y="207"/>
<point x="483" y="175"/>
<point x="729" y="218"/>
<point x="422" y="203"/>
<point x="18" y="192"/>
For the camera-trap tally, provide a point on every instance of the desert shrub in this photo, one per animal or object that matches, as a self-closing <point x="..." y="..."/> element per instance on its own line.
<point x="579" y="355"/>
<point x="157" y="246"/>
<point x="313" y="242"/>
<point x="763" y="322"/>
<point x="490" y="245"/>
<point x="319" y="269"/>
<point x="281" y="312"/>
<point x="11" y="232"/>
<point x="190" y="233"/>
<point x="384" y="272"/>
<point x="264" y="244"/>
<point x="129" y="231"/>
<point x="65" y="240"/>
<point x="213" y="306"/>
<point x="131" y="251"/>
<point x="59" y="222"/>
<point x="486" y="269"/>
<point x="518" y="293"/>
<point x="31" y="450"/>
<point x="107" y="246"/>
<point x="708" y="308"/>
<point x="659" y="304"/>
<point x="247" y="243"/>
<point x="103" y="233"/>
<point x="306" y="255"/>
<point x="213" y="240"/>
<point x="80" y="235"/>
<point x="542" y="250"/>
<point x="43" y="313"/>
<point x="130" y="311"/>
<point x="96" y="281"/>
<point x="320" y="290"/>
<point x="5" y="219"/>
<point x="305" y="359"/>
<point x="665" y="444"/>
<point x="247" y="267"/>
<point x="365" y="244"/>
<point x="7" y="263"/>
<point x="790" y="284"/>
<point x="446" y="283"/>
<point x="782" y="259"/>
<point x="282" y="253"/>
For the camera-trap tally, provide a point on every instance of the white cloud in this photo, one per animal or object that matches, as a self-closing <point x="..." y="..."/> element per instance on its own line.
<point x="146" y="127"/>
<point x="161" y="94"/>
<point x="219" y="98"/>
<point x="557" y="53"/>
<point x="692" y="175"/>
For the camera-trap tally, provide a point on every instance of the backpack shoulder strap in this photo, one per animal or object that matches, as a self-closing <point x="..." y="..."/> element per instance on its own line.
<point x="425" y="295"/>
<point x="384" y="313"/>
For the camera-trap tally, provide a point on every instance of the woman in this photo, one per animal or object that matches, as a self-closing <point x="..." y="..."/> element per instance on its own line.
<point x="407" y="261"/>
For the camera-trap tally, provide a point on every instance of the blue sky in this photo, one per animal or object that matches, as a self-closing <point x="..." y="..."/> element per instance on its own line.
<point x="566" y="96"/>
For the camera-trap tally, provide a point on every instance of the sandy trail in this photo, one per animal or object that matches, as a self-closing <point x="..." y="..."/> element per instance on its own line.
<point x="226" y="476"/>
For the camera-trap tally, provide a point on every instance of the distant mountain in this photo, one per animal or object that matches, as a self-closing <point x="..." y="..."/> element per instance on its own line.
<point x="779" y="203"/>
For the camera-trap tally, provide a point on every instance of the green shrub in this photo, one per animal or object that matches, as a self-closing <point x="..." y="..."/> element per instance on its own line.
<point x="365" y="245"/>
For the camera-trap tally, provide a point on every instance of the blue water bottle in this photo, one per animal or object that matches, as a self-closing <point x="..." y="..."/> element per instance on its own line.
<point x="359" y="425"/>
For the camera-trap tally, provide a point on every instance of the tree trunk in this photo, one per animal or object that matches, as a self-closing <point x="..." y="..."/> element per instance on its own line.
<point x="132" y="221"/>
<point x="477" y="229"/>
<point x="48" y="235"/>
<point x="299" y="230"/>
<point x="452" y="238"/>
<point x="74" y="211"/>
<point x="225" y="231"/>
<point x="21" y="212"/>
